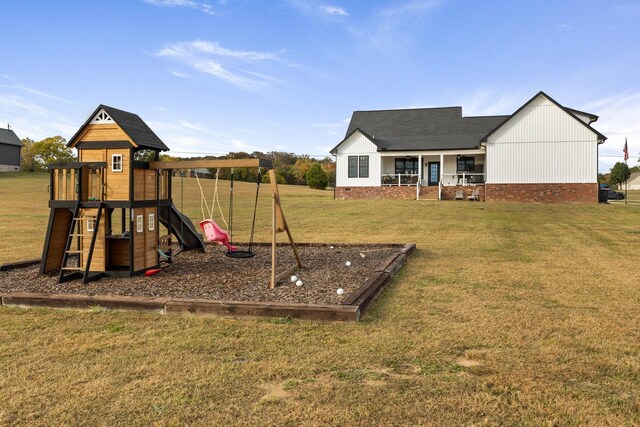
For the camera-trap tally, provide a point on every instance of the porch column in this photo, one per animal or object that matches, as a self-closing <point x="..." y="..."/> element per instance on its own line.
<point x="441" y="177"/>
<point x="419" y="175"/>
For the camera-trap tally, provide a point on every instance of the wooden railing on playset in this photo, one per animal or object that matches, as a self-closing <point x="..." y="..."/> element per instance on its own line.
<point x="165" y="184"/>
<point x="77" y="181"/>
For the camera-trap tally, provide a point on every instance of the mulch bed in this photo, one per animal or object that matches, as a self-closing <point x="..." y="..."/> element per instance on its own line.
<point x="213" y="276"/>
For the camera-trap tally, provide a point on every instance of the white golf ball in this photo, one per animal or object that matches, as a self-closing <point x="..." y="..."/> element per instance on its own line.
<point x="348" y="263"/>
<point x="340" y="291"/>
<point x="330" y="247"/>
<point x="294" y="278"/>
<point x="299" y="283"/>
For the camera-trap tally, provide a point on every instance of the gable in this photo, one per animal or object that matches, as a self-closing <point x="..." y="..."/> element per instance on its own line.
<point x="109" y="134"/>
<point x="108" y="126"/>
<point x="358" y="142"/>
<point x="101" y="117"/>
<point x="542" y="120"/>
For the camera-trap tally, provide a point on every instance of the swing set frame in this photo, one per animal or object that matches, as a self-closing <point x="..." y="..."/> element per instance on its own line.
<point x="279" y="222"/>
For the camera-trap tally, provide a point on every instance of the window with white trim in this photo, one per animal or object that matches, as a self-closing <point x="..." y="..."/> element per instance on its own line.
<point x="363" y="167"/>
<point x="358" y="167"/>
<point x="116" y="162"/>
<point x="353" y="166"/>
<point x="152" y="222"/>
<point x="91" y="224"/>
<point x="139" y="223"/>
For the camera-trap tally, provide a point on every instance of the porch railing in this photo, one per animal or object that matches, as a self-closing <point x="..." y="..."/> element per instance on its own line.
<point x="463" y="178"/>
<point x="398" y="179"/>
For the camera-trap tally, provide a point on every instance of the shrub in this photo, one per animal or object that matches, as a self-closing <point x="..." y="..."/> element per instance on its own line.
<point x="317" y="177"/>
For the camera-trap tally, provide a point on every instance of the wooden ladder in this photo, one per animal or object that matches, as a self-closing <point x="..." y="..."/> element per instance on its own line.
<point x="77" y="230"/>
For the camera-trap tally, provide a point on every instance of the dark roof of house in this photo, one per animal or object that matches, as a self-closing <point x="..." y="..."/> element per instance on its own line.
<point x="7" y="136"/>
<point x="421" y="128"/>
<point x="132" y="125"/>
<point x="436" y="128"/>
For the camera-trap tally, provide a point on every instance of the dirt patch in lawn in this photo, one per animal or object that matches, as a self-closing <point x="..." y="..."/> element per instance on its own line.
<point x="213" y="276"/>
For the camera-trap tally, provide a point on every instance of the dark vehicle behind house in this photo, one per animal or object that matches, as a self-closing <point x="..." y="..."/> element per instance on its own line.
<point x="615" y="195"/>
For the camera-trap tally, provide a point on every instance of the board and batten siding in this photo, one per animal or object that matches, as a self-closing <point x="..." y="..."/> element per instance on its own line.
<point x="542" y="143"/>
<point x="357" y="145"/>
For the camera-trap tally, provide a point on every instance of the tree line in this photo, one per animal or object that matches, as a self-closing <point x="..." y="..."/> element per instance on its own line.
<point x="619" y="174"/>
<point x="290" y="168"/>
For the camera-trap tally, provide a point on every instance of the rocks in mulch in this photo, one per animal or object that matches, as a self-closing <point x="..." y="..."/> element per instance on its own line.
<point x="214" y="276"/>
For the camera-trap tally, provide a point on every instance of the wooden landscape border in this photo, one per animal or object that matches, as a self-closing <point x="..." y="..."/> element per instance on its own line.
<point x="351" y="310"/>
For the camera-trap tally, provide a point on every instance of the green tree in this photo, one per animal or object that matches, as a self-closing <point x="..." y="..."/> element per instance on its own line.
<point x="279" y="178"/>
<point x="27" y="156"/>
<point x="619" y="174"/>
<point x="38" y="155"/>
<point x="316" y="177"/>
<point x="301" y="167"/>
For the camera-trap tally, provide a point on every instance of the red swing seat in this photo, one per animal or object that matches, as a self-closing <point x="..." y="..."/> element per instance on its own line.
<point x="213" y="233"/>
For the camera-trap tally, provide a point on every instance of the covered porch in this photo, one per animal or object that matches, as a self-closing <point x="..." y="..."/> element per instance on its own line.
<point x="436" y="175"/>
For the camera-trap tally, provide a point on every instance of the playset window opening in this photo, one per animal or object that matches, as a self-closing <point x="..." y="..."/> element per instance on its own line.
<point x="139" y="223"/>
<point x="116" y="162"/>
<point x="152" y="222"/>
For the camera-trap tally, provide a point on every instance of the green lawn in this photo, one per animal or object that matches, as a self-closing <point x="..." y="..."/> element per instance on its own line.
<point x="507" y="314"/>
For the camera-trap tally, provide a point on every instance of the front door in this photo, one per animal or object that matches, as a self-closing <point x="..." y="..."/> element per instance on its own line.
<point x="434" y="173"/>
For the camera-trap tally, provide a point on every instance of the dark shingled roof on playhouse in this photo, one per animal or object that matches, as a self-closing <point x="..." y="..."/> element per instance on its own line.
<point x="421" y="128"/>
<point x="132" y="125"/>
<point x="7" y="136"/>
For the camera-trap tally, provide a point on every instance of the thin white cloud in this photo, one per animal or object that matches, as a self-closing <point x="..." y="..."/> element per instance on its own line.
<point x="201" y="6"/>
<point x="29" y="118"/>
<point x="179" y="74"/>
<point x="186" y="138"/>
<point x="334" y="10"/>
<point x="318" y="10"/>
<point x="33" y="113"/>
<point x="391" y="26"/>
<point x="488" y="102"/>
<point x="226" y="64"/>
<point x="619" y="114"/>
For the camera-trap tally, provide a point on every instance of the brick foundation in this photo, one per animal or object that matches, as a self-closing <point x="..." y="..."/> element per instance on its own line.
<point x="545" y="193"/>
<point x="408" y="193"/>
<point x="449" y="193"/>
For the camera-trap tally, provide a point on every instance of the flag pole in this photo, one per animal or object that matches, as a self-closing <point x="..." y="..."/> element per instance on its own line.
<point x="626" y="181"/>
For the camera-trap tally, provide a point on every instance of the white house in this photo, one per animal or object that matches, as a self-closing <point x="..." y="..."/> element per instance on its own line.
<point x="542" y="152"/>
<point x="633" y="183"/>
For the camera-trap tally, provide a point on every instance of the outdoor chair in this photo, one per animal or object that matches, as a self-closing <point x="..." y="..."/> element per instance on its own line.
<point x="459" y="195"/>
<point x="475" y="195"/>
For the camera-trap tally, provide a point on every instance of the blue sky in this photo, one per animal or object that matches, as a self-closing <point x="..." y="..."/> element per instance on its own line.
<point x="241" y="75"/>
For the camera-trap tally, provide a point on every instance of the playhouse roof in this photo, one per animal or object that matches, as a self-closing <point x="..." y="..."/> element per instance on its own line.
<point x="7" y="136"/>
<point x="131" y="124"/>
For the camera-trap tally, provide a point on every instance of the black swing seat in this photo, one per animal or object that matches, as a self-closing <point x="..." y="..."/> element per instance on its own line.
<point x="240" y="254"/>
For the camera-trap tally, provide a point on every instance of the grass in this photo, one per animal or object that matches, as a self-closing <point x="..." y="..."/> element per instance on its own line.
<point x="507" y="314"/>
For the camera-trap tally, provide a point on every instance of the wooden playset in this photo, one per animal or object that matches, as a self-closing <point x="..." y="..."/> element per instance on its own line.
<point x="106" y="208"/>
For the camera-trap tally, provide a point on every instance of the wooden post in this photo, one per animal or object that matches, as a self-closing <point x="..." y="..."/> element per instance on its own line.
<point x="279" y="224"/>
<point x="73" y="183"/>
<point x="64" y="184"/>
<point x="54" y="187"/>
<point x="274" y="233"/>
